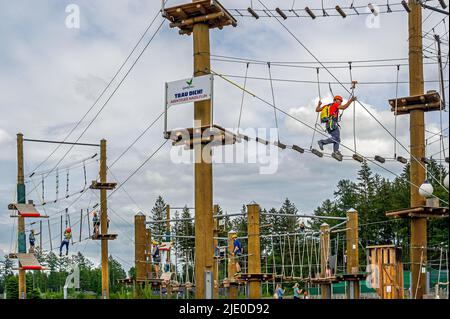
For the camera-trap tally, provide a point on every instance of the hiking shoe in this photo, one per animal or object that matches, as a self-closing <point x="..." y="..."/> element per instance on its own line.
<point x="67" y="253"/>
<point x="320" y="145"/>
<point x="60" y="254"/>
<point x="338" y="153"/>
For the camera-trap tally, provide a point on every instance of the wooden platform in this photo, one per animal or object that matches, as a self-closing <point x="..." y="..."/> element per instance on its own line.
<point x="419" y="212"/>
<point x="212" y="135"/>
<point x="29" y="262"/>
<point x="430" y="101"/>
<point x="98" y="185"/>
<point x="26" y="210"/>
<point x="107" y="237"/>
<point x="209" y="12"/>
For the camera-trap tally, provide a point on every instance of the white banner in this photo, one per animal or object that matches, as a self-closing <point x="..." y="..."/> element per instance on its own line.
<point x="189" y="90"/>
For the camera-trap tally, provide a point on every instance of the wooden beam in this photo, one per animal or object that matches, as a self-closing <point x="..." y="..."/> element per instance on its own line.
<point x="254" y="249"/>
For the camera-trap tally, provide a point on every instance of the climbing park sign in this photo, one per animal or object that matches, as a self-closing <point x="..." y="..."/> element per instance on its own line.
<point x="189" y="90"/>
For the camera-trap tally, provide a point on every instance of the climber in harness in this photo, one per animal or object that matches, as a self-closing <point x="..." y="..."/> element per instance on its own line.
<point x="156" y="255"/>
<point x="329" y="115"/>
<point x="65" y="242"/>
<point x="237" y="251"/>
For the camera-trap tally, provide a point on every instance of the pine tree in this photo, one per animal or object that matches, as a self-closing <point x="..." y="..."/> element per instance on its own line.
<point x="158" y="213"/>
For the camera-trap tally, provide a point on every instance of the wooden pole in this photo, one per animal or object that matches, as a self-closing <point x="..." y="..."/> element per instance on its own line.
<point x="168" y="234"/>
<point x="148" y="254"/>
<point x="353" y="291"/>
<point x="254" y="250"/>
<point x="204" y="257"/>
<point x="140" y="244"/>
<point x="232" y="290"/>
<point x="216" y="261"/>
<point x="22" y="248"/>
<point x="417" y="141"/>
<point x="324" y="256"/>
<point x="40" y="237"/>
<point x="104" y="222"/>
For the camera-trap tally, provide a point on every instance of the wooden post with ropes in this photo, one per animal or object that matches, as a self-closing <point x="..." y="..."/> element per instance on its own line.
<point x="140" y="245"/>
<point x="104" y="222"/>
<point x="22" y="243"/>
<point x="325" y="287"/>
<point x="217" y="259"/>
<point x="148" y="253"/>
<point x="233" y="288"/>
<point x="168" y="235"/>
<point x="417" y="137"/>
<point x="254" y="250"/>
<point x="352" y="247"/>
<point x="196" y="18"/>
<point x="104" y="237"/>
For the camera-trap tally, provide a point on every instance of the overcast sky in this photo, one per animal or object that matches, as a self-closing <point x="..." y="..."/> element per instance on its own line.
<point x="51" y="75"/>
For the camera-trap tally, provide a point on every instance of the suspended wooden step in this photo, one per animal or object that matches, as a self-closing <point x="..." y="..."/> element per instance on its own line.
<point x="26" y="210"/>
<point x="253" y="13"/>
<point x="316" y="152"/>
<point x="213" y="135"/>
<point x="431" y="101"/>
<point x="298" y="149"/>
<point x="358" y="158"/>
<point x="402" y="160"/>
<point x="262" y="141"/>
<point x="209" y="12"/>
<point x="380" y="159"/>
<point x="337" y="157"/>
<point x="29" y="262"/>
<point x="446" y="159"/>
<point x="280" y="145"/>
<point x="244" y="137"/>
<point x="99" y="185"/>
<point x="106" y="237"/>
<point x="426" y="160"/>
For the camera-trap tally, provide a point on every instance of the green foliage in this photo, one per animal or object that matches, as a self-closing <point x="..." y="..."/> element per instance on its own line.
<point x="12" y="287"/>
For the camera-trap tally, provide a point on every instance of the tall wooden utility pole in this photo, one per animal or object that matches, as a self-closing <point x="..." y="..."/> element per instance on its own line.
<point x="325" y="287"/>
<point x="254" y="251"/>
<point x="104" y="222"/>
<point x="204" y="250"/>
<point x="103" y="186"/>
<point x="22" y="246"/>
<point x="417" y="140"/>
<point x="352" y="247"/>
<point x="217" y="257"/>
<point x="168" y="236"/>
<point x="196" y="18"/>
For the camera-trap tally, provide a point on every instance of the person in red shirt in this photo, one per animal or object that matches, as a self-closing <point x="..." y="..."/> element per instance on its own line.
<point x="332" y="122"/>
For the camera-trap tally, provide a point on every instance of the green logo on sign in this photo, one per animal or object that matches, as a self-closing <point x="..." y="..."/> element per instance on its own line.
<point x="190" y="82"/>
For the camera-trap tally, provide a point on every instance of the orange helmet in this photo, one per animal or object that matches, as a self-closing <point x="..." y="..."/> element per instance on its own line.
<point x="69" y="230"/>
<point x="338" y="97"/>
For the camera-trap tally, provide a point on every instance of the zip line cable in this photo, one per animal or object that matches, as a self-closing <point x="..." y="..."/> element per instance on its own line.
<point x="368" y="111"/>
<point x="242" y="99"/>
<point x="318" y="114"/>
<point x="273" y="101"/>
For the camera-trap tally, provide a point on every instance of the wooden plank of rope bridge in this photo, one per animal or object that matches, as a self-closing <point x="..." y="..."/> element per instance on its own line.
<point x="419" y="212"/>
<point x="431" y="101"/>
